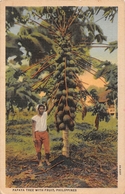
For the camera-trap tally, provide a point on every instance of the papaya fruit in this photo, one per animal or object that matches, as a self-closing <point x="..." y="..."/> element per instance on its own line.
<point x="59" y="94"/>
<point x="66" y="118"/>
<point x="57" y="73"/>
<point x="66" y="109"/>
<point x="70" y="124"/>
<point x="71" y="91"/>
<point x="72" y="62"/>
<point x="60" y="114"/>
<point x="72" y="115"/>
<point x="62" y="126"/>
<point x="61" y="85"/>
<point x="58" y="120"/>
<point x="72" y="109"/>
<point x="64" y="92"/>
<point x="60" y="106"/>
<point x="63" y="99"/>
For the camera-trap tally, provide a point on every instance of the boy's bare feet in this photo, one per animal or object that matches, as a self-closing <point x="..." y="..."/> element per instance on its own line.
<point x="40" y="164"/>
<point x="47" y="162"/>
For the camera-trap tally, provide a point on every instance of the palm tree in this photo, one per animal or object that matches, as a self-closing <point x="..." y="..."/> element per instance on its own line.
<point x="58" y="40"/>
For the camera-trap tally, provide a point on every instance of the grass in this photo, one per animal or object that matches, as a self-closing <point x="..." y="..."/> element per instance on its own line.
<point x="20" y="145"/>
<point x="19" y="136"/>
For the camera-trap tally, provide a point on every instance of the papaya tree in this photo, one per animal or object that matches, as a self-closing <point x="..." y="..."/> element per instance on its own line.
<point x="57" y="41"/>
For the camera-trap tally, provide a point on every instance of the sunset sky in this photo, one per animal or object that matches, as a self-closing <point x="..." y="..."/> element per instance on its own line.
<point x="89" y="80"/>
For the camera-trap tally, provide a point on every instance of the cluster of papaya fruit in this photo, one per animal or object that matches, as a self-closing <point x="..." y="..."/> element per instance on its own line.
<point x="65" y="84"/>
<point x="65" y="95"/>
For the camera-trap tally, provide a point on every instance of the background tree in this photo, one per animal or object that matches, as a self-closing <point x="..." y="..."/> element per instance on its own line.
<point x="57" y="40"/>
<point x="109" y="72"/>
<point x="18" y="92"/>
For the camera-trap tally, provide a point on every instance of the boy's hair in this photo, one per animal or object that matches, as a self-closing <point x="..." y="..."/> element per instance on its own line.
<point x="41" y="105"/>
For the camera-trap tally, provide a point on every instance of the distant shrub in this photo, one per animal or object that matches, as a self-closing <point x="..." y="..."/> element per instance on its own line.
<point x="83" y="126"/>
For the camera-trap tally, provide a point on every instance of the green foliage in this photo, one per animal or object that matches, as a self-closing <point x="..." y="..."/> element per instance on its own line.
<point x="112" y="46"/>
<point x="108" y="12"/>
<point x="18" y="93"/>
<point x="93" y="94"/>
<point x="109" y="72"/>
<point x="98" y="89"/>
<point x="13" y="48"/>
<point x="13" y="13"/>
<point x="99" y="109"/>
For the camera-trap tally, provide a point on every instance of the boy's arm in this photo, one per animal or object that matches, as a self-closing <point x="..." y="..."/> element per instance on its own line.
<point x="33" y="130"/>
<point x="49" y="109"/>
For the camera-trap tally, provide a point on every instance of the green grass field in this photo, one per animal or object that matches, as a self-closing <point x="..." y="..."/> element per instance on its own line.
<point x="19" y="136"/>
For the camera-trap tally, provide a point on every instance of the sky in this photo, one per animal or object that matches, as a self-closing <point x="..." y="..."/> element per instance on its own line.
<point x="110" y="29"/>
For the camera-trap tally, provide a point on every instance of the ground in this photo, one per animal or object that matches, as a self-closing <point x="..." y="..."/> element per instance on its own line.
<point x="63" y="172"/>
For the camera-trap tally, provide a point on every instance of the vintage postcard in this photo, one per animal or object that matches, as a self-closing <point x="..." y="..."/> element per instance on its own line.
<point x="62" y="96"/>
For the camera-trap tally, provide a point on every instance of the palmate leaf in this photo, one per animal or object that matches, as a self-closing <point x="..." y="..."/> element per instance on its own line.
<point x="109" y="72"/>
<point x="23" y="97"/>
<point x="98" y="28"/>
<point x="112" y="46"/>
<point x="32" y="46"/>
<point x="32" y="42"/>
<point x="25" y="31"/>
<point x="23" y="89"/>
<point x="104" y="64"/>
<point x="46" y="42"/>
<point x="12" y="14"/>
<point x="92" y="29"/>
<point x="111" y="86"/>
<point x="100" y="38"/>
<point x="112" y="95"/>
<point x="12" y="47"/>
<point x="108" y="12"/>
<point x="38" y="44"/>
<point x="11" y="40"/>
<point x="40" y="35"/>
<point x="37" y="9"/>
<point x="94" y="94"/>
<point x="99" y="73"/>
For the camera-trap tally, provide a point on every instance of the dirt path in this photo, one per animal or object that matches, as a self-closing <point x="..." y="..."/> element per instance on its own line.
<point x="63" y="172"/>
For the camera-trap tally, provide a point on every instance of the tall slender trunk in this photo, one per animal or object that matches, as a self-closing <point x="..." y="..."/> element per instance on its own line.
<point x="65" y="149"/>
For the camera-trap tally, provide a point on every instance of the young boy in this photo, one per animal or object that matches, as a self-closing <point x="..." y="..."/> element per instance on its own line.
<point x="40" y="133"/>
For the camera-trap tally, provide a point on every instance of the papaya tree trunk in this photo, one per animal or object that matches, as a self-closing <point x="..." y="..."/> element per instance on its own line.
<point x="65" y="149"/>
